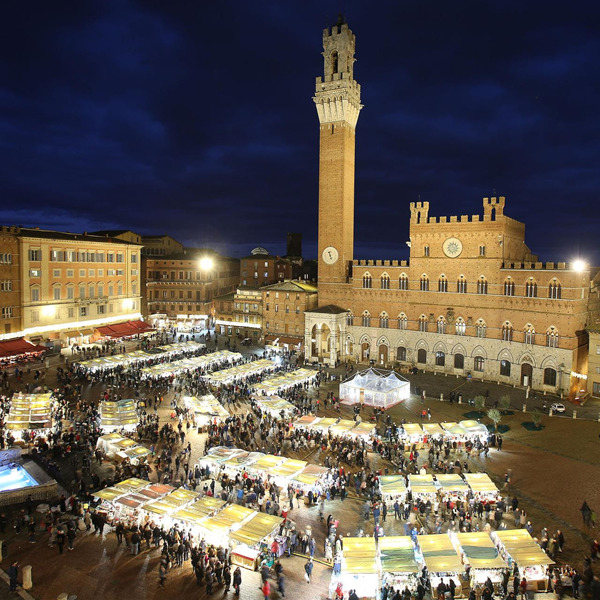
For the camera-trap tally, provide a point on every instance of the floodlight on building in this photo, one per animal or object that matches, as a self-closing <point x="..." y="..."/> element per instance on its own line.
<point x="578" y="265"/>
<point x="206" y="263"/>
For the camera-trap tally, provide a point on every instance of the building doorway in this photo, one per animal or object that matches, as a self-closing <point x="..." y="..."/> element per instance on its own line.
<point x="526" y="375"/>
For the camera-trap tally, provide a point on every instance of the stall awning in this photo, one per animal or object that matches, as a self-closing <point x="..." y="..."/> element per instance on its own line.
<point x="18" y="346"/>
<point x="479" y="550"/>
<point x="129" y="328"/>
<point x="439" y="554"/>
<point x="398" y="554"/>
<point x="289" y="340"/>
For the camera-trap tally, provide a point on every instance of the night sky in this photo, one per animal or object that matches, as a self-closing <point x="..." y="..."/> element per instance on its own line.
<point x="196" y="118"/>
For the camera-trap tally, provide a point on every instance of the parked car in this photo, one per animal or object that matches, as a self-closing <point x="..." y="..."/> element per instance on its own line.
<point x="557" y="407"/>
<point x="246" y="342"/>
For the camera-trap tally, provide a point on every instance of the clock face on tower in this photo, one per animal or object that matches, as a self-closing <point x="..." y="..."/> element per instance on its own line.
<point x="452" y="247"/>
<point x="330" y="255"/>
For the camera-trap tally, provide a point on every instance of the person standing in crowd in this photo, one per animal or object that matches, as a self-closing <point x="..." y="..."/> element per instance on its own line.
<point x="237" y="580"/>
<point x="13" y="572"/>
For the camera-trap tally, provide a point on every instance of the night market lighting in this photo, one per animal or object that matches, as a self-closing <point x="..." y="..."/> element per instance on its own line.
<point x="579" y="265"/>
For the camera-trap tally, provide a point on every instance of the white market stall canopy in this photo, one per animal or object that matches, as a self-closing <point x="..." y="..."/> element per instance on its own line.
<point x="206" y="361"/>
<point x="205" y="407"/>
<point x="284" y="380"/>
<point x="241" y="372"/>
<point x="30" y="411"/>
<point x="335" y="426"/>
<point x="139" y="356"/>
<point x="439" y="554"/>
<point x="392" y="486"/>
<point x="273" y="405"/>
<point x="481" y="483"/>
<point x="421" y="484"/>
<point x="119" y="415"/>
<point x="397" y="555"/>
<point x="475" y="428"/>
<point x="479" y="551"/>
<point x="518" y="546"/>
<point x="451" y="482"/>
<point x="375" y="387"/>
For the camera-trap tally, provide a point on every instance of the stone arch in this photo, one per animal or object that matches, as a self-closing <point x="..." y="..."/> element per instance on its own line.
<point x="440" y="347"/>
<point x="458" y="349"/>
<point x="505" y="354"/>
<point x="422" y="344"/>
<point x="365" y="339"/>
<point x="549" y="362"/>
<point x="479" y="351"/>
<point x="526" y="357"/>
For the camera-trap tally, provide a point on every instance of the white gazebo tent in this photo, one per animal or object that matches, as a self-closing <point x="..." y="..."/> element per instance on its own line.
<point x="375" y="387"/>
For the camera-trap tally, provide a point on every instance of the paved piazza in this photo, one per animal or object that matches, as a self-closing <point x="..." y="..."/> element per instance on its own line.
<point x="553" y="472"/>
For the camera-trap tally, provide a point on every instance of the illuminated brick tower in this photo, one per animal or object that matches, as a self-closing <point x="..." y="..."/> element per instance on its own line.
<point x="337" y="98"/>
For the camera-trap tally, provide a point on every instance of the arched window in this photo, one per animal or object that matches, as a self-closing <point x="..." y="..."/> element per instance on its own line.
<point x="459" y="361"/>
<point x="531" y="288"/>
<point x="92" y="290"/>
<point x="334" y="62"/>
<point x="425" y="250"/>
<point x="443" y="284"/>
<point x="422" y="356"/>
<point x="529" y="334"/>
<point x="507" y="332"/>
<point x="402" y="321"/>
<point x="423" y="323"/>
<point x="401" y="353"/>
<point x="403" y="282"/>
<point x="478" y="364"/>
<point x="82" y="290"/>
<point x="549" y="376"/>
<point x="509" y="287"/>
<point x="367" y="281"/>
<point x="505" y="368"/>
<point x="385" y="282"/>
<point x="383" y="320"/>
<point x="554" y="290"/>
<point x="482" y="285"/>
<point x="350" y="319"/>
<point x="424" y="283"/>
<point x="366" y="319"/>
<point x="552" y="338"/>
<point x="441" y="325"/>
<point x="480" y="328"/>
<point x="440" y="359"/>
<point x="461" y="285"/>
<point x="461" y="326"/>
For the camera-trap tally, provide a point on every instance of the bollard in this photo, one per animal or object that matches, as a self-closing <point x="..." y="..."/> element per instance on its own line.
<point x="27" y="580"/>
<point x="574" y="414"/>
<point x="550" y="413"/>
<point x="524" y="407"/>
<point x="63" y="596"/>
<point x="441" y="397"/>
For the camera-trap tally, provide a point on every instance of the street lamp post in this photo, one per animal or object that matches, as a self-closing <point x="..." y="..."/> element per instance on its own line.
<point x="560" y="372"/>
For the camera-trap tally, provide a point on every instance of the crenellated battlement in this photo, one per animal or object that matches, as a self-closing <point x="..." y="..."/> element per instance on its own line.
<point x="419" y="212"/>
<point x="536" y="266"/>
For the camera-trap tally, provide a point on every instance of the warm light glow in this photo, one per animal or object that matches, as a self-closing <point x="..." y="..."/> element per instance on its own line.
<point x="48" y="311"/>
<point x="206" y="263"/>
<point x="578" y="265"/>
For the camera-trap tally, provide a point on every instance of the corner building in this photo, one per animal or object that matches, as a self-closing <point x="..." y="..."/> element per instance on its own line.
<point x="471" y="299"/>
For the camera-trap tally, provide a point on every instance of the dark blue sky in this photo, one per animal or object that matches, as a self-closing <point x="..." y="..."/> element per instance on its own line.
<point x="196" y="119"/>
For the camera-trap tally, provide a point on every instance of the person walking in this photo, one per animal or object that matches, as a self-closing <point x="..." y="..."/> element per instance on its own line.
<point x="71" y="537"/>
<point x="308" y="568"/>
<point x="13" y="572"/>
<point x="266" y="589"/>
<point x="162" y="571"/>
<point x="237" y="580"/>
<point x="60" y="539"/>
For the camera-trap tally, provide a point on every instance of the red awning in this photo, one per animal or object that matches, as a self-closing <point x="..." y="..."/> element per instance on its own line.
<point x="126" y="329"/>
<point x="19" y="346"/>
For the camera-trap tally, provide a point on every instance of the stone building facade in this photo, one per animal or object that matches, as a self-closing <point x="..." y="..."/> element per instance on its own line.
<point x="64" y="285"/>
<point x="471" y="299"/>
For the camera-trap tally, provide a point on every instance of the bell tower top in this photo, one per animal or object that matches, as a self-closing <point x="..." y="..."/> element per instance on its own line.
<point x="337" y="94"/>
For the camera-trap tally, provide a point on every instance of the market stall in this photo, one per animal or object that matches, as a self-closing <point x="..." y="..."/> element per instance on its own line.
<point x="206" y="409"/>
<point x="240" y="372"/>
<point x="438" y="554"/>
<point x="399" y="567"/>
<point x="360" y="568"/>
<point x="363" y="429"/>
<point x="412" y="433"/>
<point x="518" y="548"/>
<point x="433" y="430"/>
<point x="375" y="387"/>
<point x="284" y="380"/>
<point x="305" y="421"/>
<point x="119" y="415"/>
<point x="19" y="350"/>
<point x="422" y="486"/>
<point x="216" y="529"/>
<point x="482" y="486"/>
<point x="274" y="406"/>
<point x="475" y="429"/>
<point x="255" y="535"/>
<point x="451" y="487"/>
<point x="311" y="478"/>
<point x="206" y="362"/>
<point x="29" y="412"/>
<point x="454" y="432"/>
<point x="392" y="488"/>
<point x="479" y="552"/>
<point x="343" y="427"/>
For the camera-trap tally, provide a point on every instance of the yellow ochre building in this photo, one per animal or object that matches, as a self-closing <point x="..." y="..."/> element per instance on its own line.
<point x="471" y="299"/>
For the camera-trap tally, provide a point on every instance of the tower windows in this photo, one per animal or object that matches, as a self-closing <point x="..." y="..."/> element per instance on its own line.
<point x="461" y="285"/>
<point x="442" y="284"/>
<point x="441" y="325"/>
<point x="461" y="326"/>
<point x="350" y="319"/>
<point x="383" y="320"/>
<point x="552" y="338"/>
<point x="403" y="282"/>
<point x="509" y="287"/>
<point x="481" y="250"/>
<point x="531" y="288"/>
<point x="366" y="319"/>
<point x="507" y="332"/>
<point x="385" y="282"/>
<point x="424" y="283"/>
<point x="402" y="321"/>
<point x="335" y="59"/>
<point x="367" y="281"/>
<point x="423" y="323"/>
<point x="480" y="328"/>
<point x="482" y="285"/>
<point x="529" y="334"/>
<point x="425" y="250"/>
<point x="554" y="290"/>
